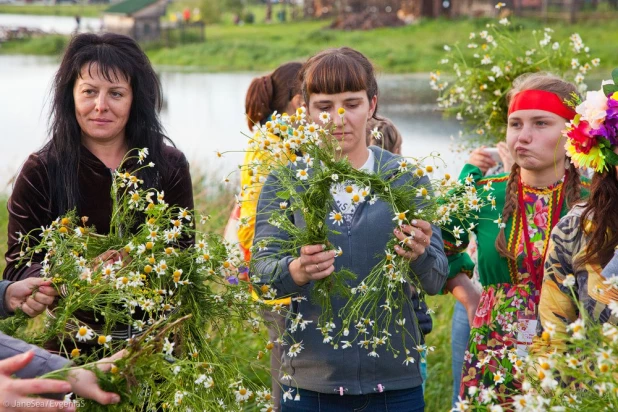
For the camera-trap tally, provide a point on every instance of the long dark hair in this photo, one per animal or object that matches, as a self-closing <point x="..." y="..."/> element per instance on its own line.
<point x="114" y="56"/>
<point x="601" y="206"/>
<point x="272" y="92"/>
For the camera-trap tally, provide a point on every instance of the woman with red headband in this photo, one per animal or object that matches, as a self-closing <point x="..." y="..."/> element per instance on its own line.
<point x="512" y="234"/>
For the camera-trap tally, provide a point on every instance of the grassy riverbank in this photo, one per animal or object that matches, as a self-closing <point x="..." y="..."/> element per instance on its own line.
<point x="84" y="10"/>
<point x="260" y="47"/>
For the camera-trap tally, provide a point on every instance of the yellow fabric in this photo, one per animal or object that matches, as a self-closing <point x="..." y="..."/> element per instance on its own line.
<point x="252" y="177"/>
<point x="557" y="305"/>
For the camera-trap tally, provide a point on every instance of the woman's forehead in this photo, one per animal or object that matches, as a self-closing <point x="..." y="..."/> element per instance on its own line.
<point x="340" y="97"/>
<point x="93" y="71"/>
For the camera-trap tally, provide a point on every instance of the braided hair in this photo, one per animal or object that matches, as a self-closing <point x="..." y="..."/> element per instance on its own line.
<point x="572" y="184"/>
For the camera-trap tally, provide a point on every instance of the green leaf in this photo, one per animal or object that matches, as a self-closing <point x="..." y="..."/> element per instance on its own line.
<point x="611" y="157"/>
<point x="615" y="76"/>
<point x="609" y="89"/>
<point x="284" y="194"/>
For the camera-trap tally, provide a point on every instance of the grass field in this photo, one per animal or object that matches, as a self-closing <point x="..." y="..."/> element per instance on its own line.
<point x="261" y="47"/>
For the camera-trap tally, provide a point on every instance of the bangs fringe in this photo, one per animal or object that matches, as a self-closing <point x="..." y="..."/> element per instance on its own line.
<point x="107" y="62"/>
<point x="336" y="73"/>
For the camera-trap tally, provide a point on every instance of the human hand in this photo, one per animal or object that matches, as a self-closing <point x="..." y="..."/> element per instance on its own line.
<point x="481" y="159"/>
<point x="110" y="257"/>
<point x="14" y="392"/>
<point x="32" y="295"/>
<point x="314" y="263"/>
<point x="505" y="156"/>
<point x="84" y="383"/>
<point x="415" y="239"/>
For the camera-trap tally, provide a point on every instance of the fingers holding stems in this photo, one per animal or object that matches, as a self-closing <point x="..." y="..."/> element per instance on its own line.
<point x="413" y="239"/>
<point x="314" y="263"/>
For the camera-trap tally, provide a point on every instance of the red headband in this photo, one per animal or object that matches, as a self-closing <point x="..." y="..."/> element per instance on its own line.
<point x="541" y="100"/>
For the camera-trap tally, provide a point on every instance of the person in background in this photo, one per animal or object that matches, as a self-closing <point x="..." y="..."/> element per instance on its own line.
<point x="460" y="327"/>
<point x="383" y="133"/>
<point x="511" y="235"/>
<point x="25" y="361"/>
<point x="277" y="92"/>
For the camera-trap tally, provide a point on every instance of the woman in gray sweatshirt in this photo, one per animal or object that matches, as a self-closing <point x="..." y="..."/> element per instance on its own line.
<point x="348" y="379"/>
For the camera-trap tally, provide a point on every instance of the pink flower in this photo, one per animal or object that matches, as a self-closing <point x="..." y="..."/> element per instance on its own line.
<point x="541" y="212"/>
<point x="483" y="312"/>
<point x="594" y="108"/>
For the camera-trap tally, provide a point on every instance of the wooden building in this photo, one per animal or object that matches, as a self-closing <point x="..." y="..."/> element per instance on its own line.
<point x="140" y="19"/>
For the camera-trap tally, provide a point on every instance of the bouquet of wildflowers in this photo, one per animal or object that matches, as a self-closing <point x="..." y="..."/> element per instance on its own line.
<point x="308" y="171"/>
<point x="174" y="288"/>
<point x="577" y="375"/>
<point x="483" y="70"/>
<point x="594" y="130"/>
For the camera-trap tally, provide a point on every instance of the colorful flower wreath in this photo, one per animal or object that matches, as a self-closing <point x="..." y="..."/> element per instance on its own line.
<point x="593" y="133"/>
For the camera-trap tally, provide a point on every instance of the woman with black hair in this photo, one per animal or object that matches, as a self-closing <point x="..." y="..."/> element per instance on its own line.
<point x="106" y="99"/>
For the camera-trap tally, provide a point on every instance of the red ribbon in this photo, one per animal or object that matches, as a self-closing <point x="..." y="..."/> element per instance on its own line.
<point x="541" y="100"/>
<point x="537" y="272"/>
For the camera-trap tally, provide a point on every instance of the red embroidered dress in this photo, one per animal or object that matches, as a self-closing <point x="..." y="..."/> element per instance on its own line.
<point x="509" y="289"/>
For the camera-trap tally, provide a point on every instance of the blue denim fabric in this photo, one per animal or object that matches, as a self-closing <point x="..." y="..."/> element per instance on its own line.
<point x="424" y="369"/>
<point x="460" y="334"/>
<point x="404" y="400"/>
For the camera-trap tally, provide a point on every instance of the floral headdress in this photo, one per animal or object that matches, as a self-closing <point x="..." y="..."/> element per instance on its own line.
<point x="593" y="133"/>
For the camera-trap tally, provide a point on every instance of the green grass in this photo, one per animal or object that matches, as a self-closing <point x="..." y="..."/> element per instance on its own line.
<point x="84" y="10"/>
<point x="260" y="47"/>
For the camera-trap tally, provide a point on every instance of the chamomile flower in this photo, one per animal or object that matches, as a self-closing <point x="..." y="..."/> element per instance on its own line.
<point x="168" y="347"/>
<point x="104" y="340"/>
<point x="400" y="217"/>
<point x="84" y="333"/>
<point x="303" y="174"/>
<point x="324" y="117"/>
<point x="295" y="349"/>
<point x="336" y="217"/>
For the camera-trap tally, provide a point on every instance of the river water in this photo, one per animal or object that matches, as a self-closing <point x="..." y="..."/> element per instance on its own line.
<point x="203" y="113"/>
<point x="49" y="24"/>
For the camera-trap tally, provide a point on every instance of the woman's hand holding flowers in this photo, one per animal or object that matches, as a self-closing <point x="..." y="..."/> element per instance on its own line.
<point x="414" y="239"/>
<point x="314" y="263"/>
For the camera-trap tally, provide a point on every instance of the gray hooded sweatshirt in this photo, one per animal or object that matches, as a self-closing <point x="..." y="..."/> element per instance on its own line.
<point x="319" y="367"/>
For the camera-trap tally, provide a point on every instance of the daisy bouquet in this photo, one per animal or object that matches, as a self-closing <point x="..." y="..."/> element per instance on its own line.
<point x="574" y="370"/>
<point x="593" y="133"/>
<point x="173" y="288"/>
<point x="308" y="171"/>
<point x="477" y="75"/>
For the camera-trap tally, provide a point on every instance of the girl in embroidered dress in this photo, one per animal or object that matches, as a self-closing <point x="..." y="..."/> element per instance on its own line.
<point x="512" y="235"/>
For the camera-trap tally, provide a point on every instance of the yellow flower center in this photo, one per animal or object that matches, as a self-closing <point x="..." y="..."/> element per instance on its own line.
<point x="349" y="189"/>
<point x="75" y="353"/>
<point x="149" y="245"/>
<point x="401" y="216"/>
<point x="102" y="340"/>
<point x="147" y="268"/>
<point x="125" y="280"/>
<point x="242" y="391"/>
